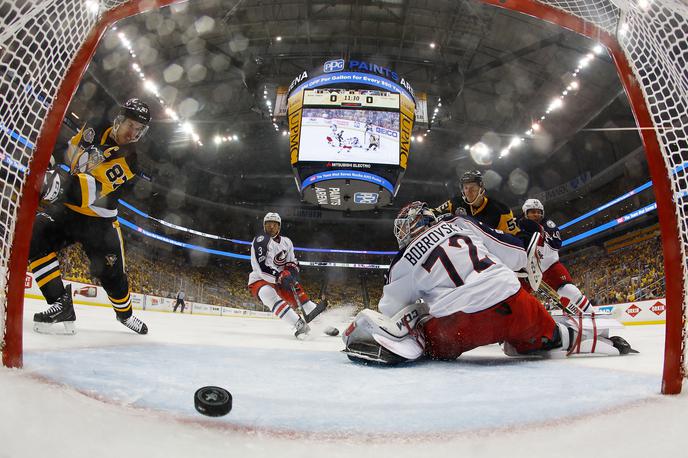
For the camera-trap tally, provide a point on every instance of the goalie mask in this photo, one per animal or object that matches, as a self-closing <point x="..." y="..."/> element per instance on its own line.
<point x="137" y="111"/>
<point x="472" y="176"/>
<point x="411" y="221"/>
<point x="533" y="204"/>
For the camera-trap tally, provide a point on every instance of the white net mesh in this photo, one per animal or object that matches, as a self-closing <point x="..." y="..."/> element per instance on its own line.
<point x="39" y="39"/>
<point x="654" y="37"/>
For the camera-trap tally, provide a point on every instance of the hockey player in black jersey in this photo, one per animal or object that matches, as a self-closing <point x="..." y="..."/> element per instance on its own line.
<point x="473" y="201"/>
<point x="81" y="206"/>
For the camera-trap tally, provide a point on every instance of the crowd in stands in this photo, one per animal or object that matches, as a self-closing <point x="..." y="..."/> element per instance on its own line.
<point x="625" y="269"/>
<point x="220" y="282"/>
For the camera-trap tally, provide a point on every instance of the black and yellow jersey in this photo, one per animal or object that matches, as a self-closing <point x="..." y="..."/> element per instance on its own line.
<point x="491" y="212"/>
<point x="95" y="193"/>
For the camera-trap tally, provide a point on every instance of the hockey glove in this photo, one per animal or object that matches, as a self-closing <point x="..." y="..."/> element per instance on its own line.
<point x="53" y="186"/>
<point x="286" y="279"/>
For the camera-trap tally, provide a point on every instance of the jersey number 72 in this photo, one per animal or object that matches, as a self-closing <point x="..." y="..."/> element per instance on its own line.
<point x="439" y="253"/>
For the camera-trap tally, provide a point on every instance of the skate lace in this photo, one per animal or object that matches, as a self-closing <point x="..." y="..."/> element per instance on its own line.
<point x="133" y="323"/>
<point x="56" y="307"/>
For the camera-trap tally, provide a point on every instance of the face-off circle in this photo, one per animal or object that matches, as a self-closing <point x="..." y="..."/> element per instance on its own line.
<point x="213" y="401"/>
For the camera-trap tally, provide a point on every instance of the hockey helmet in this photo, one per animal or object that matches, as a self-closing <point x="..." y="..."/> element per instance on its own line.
<point x="411" y="221"/>
<point x="472" y="176"/>
<point x="272" y="216"/>
<point x="135" y="110"/>
<point x="532" y="204"/>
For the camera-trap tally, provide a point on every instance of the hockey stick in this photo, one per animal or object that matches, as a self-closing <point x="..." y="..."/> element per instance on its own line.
<point x="297" y="299"/>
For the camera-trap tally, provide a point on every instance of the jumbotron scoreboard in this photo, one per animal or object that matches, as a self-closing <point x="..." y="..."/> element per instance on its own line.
<point x="349" y="135"/>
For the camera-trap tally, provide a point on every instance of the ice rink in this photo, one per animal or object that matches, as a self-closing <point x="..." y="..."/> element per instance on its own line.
<point x="107" y="392"/>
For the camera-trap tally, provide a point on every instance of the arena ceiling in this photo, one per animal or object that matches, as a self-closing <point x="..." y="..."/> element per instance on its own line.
<point x="495" y="72"/>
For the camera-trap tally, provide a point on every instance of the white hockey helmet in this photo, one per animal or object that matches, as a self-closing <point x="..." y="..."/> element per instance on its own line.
<point x="272" y="216"/>
<point x="533" y="204"/>
<point x="411" y="221"/>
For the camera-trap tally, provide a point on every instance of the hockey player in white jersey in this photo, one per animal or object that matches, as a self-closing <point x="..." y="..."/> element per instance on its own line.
<point x="275" y="277"/>
<point x="555" y="274"/>
<point x="447" y="293"/>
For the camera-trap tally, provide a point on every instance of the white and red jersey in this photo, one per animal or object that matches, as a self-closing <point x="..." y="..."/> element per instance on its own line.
<point x="269" y="256"/>
<point x="550" y="251"/>
<point x="451" y="269"/>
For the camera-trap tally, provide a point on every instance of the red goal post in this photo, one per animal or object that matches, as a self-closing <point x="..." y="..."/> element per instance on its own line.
<point x="47" y="46"/>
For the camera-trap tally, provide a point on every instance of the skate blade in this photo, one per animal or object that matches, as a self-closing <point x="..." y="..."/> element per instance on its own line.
<point x="65" y="328"/>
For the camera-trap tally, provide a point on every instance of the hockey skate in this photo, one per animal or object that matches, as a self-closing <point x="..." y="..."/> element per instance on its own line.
<point x="134" y="324"/>
<point x="302" y="329"/>
<point x="580" y="335"/>
<point x="319" y="308"/>
<point x="61" y="311"/>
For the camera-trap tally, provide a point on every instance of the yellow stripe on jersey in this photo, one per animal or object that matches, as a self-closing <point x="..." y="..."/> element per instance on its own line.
<point x="46" y="279"/>
<point x="43" y="260"/>
<point x="104" y="137"/>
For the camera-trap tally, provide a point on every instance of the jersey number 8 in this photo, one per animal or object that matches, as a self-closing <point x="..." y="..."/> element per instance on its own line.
<point x="114" y="173"/>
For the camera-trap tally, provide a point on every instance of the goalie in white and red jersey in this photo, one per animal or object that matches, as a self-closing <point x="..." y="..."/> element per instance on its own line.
<point x="275" y="277"/>
<point x="452" y="288"/>
<point x="554" y="273"/>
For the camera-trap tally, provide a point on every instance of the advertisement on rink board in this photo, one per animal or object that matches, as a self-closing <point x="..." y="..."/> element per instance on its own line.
<point x="652" y="311"/>
<point x="86" y="294"/>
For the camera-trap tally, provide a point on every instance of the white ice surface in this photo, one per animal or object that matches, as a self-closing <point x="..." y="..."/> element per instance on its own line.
<point x="108" y="392"/>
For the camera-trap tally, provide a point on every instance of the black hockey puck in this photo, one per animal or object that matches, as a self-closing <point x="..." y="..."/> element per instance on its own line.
<point x="331" y="331"/>
<point x="213" y="401"/>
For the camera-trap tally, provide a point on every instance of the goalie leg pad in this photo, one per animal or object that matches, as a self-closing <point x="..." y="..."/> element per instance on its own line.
<point x="374" y="337"/>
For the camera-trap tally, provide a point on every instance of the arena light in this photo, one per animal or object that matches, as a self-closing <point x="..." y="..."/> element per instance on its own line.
<point x="187" y="127"/>
<point x="419" y="138"/>
<point x="235" y="137"/>
<point x="278" y="38"/>
<point x="284" y="133"/>
<point x="432" y="45"/>
<point x="218" y="139"/>
<point x="150" y="86"/>
<point x="574" y="84"/>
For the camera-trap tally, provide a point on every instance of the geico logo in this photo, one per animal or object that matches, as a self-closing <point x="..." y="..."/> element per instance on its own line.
<point x="388" y="132"/>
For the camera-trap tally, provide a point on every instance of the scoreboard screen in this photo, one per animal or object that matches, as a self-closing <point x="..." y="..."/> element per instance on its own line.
<point x="360" y="126"/>
<point x="349" y="134"/>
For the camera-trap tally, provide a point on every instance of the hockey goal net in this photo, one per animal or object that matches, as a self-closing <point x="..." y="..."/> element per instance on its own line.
<point x="45" y="46"/>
